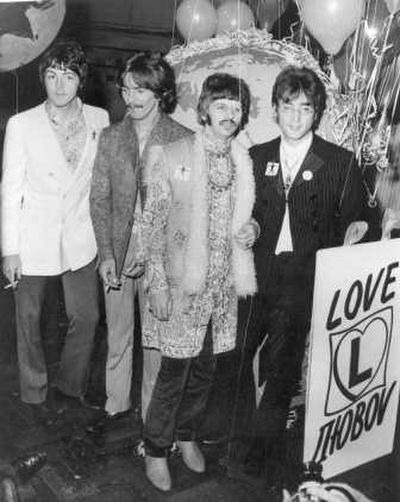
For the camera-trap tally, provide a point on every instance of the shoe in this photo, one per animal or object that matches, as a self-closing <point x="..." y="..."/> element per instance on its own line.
<point x="109" y="422"/>
<point x="8" y="490"/>
<point x="157" y="472"/>
<point x="26" y="467"/>
<point x="65" y="402"/>
<point x="192" y="456"/>
<point x="42" y="414"/>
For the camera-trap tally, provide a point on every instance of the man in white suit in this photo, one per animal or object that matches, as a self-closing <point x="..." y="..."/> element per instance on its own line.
<point x="46" y="227"/>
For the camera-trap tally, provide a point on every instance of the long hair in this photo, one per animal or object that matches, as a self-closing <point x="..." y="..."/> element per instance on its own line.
<point x="151" y="71"/>
<point x="293" y="81"/>
<point x="223" y="86"/>
<point x="66" y="56"/>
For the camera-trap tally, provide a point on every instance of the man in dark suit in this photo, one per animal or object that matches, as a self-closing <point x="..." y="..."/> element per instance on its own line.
<point x="308" y="191"/>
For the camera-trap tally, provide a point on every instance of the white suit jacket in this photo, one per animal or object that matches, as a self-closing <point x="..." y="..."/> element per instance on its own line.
<point x="45" y="206"/>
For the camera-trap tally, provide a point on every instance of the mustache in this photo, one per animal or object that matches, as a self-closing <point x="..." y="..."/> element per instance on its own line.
<point x="229" y="121"/>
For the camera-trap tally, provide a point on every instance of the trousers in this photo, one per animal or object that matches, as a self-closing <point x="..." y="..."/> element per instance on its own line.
<point x="120" y="313"/>
<point x="81" y="305"/>
<point x="179" y="399"/>
<point x="282" y="311"/>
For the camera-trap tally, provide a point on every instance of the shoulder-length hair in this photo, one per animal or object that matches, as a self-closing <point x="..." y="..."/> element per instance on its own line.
<point x="223" y="86"/>
<point x="293" y="81"/>
<point x="151" y="71"/>
<point x="66" y="56"/>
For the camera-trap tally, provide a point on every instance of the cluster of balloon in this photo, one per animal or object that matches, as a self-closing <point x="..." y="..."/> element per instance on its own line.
<point x="201" y="19"/>
<point x="331" y="22"/>
<point x="359" y="52"/>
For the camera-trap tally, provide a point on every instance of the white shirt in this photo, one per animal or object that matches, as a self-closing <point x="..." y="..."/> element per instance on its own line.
<point x="291" y="157"/>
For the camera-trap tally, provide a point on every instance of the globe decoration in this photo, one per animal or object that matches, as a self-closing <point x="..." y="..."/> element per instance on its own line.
<point x="257" y="58"/>
<point x="27" y="29"/>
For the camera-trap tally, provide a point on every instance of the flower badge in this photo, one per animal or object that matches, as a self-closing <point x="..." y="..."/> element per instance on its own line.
<point x="307" y="175"/>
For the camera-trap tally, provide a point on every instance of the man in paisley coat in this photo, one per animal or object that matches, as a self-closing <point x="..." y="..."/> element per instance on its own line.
<point x="147" y="84"/>
<point x="197" y="227"/>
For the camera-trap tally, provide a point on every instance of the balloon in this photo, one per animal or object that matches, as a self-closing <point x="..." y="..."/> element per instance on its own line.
<point x="362" y="61"/>
<point x="375" y="16"/>
<point x="348" y="64"/>
<point x="393" y="5"/>
<point x="233" y="15"/>
<point x="196" y="19"/>
<point x="331" y="22"/>
<point x="268" y="11"/>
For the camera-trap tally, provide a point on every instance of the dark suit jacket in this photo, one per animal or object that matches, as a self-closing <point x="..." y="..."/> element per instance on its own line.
<point x="115" y="182"/>
<point x="326" y="195"/>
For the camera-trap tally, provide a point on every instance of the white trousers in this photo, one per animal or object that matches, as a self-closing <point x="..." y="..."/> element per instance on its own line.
<point x="120" y="313"/>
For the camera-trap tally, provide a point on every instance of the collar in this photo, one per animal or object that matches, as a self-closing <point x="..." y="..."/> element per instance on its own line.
<point x="58" y="118"/>
<point x="299" y="148"/>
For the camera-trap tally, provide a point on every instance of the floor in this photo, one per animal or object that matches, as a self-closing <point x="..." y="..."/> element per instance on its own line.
<point x="87" y="464"/>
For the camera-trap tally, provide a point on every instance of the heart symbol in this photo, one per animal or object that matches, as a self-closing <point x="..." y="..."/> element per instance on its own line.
<point x="372" y="342"/>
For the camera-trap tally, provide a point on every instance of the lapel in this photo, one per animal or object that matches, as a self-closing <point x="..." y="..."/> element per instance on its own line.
<point x="156" y="135"/>
<point x="91" y="137"/>
<point x="311" y="164"/>
<point x="127" y="148"/>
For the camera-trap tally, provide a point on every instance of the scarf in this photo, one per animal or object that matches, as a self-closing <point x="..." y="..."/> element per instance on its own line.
<point x="196" y="256"/>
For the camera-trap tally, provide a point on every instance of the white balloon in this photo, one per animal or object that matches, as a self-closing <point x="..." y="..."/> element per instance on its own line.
<point x="233" y="16"/>
<point x="196" y="19"/>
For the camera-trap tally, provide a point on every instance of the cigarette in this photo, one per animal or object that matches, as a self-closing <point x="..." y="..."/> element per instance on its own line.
<point x="11" y="285"/>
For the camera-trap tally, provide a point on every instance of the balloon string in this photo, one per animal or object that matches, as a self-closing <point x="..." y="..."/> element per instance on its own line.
<point x="239" y="53"/>
<point x="174" y="24"/>
<point x="397" y="92"/>
<point x="189" y="38"/>
<point x="371" y="88"/>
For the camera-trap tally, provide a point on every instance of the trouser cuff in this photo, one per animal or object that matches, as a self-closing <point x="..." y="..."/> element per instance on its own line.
<point x="154" y="451"/>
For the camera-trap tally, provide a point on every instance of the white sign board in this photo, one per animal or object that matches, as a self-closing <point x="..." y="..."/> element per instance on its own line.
<point x="354" y="372"/>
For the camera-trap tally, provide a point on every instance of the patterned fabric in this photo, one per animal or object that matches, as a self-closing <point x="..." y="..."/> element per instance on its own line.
<point x="167" y="223"/>
<point x="116" y="175"/>
<point x="71" y="135"/>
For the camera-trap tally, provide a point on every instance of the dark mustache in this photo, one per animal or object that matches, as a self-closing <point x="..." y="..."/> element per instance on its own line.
<point x="230" y="121"/>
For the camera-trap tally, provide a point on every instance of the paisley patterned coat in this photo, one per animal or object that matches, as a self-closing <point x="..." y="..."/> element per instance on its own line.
<point x="116" y="179"/>
<point x="189" y="230"/>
